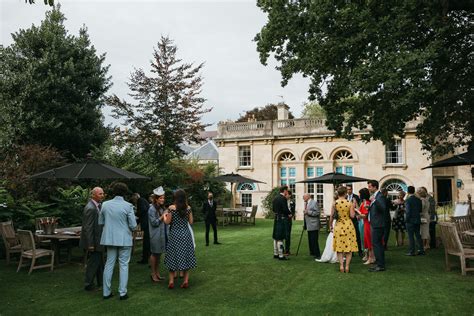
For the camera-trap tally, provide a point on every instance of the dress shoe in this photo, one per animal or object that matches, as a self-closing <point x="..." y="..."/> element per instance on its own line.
<point x="108" y="296"/>
<point x="421" y="253"/>
<point x="90" y="288"/>
<point x="410" y="254"/>
<point x="376" y="269"/>
<point x="283" y="258"/>
<point x="275" y="256"/>
<point x="124" y="297"/>
<point x="217" y="243"/>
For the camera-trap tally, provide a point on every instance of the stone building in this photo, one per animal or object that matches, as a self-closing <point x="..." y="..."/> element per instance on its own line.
<point x="286" y="151"/>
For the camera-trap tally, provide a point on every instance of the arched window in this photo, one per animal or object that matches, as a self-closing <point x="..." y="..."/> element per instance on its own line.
<point x="245" y="190"/>
<point x="394" y="186"/>
<point x="314" y="156"/>
<point x="343" y="155"/>
<point x="287" y="156"/>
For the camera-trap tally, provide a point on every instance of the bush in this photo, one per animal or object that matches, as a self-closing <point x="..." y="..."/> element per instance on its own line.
<point x="69" y="205"/>
<point x="268" y="202"/>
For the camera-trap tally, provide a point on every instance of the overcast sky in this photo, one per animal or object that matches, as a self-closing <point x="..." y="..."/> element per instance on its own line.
<point x="219" y="33"/>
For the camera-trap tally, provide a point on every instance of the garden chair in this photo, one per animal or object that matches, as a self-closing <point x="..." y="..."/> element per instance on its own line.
<point x="12" y="245"/>
<point x="453" y="246"/>
<point x="137" y="234"/>
<point x="463" y="223"/>
<point x="29" y="251"/>
<point x="249" y="217"/>
<point x="222" y="218"/>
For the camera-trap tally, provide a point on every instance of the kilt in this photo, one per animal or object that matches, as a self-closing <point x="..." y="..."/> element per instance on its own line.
<point x="280" y="228"/>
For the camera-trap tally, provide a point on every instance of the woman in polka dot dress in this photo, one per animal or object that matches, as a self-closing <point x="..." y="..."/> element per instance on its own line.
<point x="345" y="241"/>
<point x="180" y="254"/>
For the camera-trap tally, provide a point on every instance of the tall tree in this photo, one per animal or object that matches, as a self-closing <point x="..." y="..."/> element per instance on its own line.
<point x="313" y="110"/>
<point x="52" y="88"/>
<point x="402" y="59"/>
<point x="169" y="107"/>
<point x="265" y="113"/>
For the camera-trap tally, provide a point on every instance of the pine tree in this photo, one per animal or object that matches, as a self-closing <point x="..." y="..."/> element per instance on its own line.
<point x="169" y="107"/>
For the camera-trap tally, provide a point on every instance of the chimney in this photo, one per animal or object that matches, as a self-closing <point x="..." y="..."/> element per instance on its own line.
<point x="283" y="112"/>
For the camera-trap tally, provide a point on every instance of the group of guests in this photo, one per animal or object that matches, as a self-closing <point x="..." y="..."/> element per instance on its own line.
<point x="109" y="227"/>
<point x="360" y="224"/>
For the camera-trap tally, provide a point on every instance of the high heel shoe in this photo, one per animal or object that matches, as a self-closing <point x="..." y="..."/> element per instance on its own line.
<point x="185" y="285"/>
<point x="369" y="262"/>
<point x="170" y="286"/>
<point x="153" y="279"/>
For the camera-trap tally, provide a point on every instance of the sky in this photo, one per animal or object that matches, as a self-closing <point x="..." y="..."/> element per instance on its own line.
<point x="218" y="33"/>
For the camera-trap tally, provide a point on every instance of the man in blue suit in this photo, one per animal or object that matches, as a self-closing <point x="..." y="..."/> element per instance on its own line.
<point x="377" y="211"/>
<point x="413" y="208"/>
<point x="119" y="221"/>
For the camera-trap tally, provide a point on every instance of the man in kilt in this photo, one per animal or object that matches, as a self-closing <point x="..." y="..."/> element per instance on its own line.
<point x="280" y="225"/>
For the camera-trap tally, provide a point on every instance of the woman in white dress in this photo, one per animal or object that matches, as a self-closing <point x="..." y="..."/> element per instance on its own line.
<point x="329" y="255"/>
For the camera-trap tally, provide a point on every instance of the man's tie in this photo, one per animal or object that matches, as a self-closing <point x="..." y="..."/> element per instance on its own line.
<point x="305" y="206"/>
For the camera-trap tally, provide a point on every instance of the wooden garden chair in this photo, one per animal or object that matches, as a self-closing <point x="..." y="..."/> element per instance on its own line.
<point x="11" y="242"/>
<point x="453" y="246"/>
<point x="29" y="251"/>
<point x="138" y="235"/>
<point x="249" y="217"/>
<point x="222" y="218"/>
<point x="463" y="223"/>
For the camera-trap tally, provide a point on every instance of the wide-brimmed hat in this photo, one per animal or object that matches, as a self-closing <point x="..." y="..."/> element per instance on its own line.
<point x="159" y="191"/>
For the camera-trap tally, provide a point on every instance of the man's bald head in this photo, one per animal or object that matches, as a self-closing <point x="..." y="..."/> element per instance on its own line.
<point x="97" y="194"/>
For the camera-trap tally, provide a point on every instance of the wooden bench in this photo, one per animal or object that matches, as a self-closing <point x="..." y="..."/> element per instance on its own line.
<point x="453" y="246"/>
<point x="463" y="223"/>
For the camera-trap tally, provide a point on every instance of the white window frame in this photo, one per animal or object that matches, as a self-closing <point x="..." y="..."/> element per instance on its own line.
<point x="239" y="157"/>
<point x="395" y="156"/>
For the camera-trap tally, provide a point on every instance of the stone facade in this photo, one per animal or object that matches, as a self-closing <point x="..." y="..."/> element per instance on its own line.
<point x="287" y="151"/>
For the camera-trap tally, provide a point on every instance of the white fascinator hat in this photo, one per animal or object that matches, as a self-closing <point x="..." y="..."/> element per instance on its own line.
<point x="159" y="191"/>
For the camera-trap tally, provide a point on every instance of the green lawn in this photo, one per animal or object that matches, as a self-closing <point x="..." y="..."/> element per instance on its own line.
<point x="241" y="277"/>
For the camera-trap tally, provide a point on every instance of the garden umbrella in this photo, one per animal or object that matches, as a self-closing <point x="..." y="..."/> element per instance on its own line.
<point x="334" y="178"/>
<point x="463" y="159"/>
<point x="234" y="178"/>
<point x="89" y="169"/>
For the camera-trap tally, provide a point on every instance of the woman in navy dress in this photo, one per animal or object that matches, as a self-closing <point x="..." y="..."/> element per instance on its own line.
<point x="180" y="254"/>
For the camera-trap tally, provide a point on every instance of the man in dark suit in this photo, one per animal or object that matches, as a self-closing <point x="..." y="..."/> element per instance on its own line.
<point x="142" y="206"/>
<point x="280" y="226"/>
<point x="413" y="208"/>
<point x="210" y="219"/>
<point x="354" y="199"/>
<point x="292" y="207"/>
<point x="377" y="211"/>
<point x="388" y="219"/>
<point x="91" y="233"/>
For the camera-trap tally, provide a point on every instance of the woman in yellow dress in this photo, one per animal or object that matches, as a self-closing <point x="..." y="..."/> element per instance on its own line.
<point x="345" y="241"/>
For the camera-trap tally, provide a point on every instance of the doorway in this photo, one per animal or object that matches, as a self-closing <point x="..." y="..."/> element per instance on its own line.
<point x="444" y="191"/>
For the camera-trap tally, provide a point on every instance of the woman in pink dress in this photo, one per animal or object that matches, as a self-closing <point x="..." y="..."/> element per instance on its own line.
<point x="364" y="213"/>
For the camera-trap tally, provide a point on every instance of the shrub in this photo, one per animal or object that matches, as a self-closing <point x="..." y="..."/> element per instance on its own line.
<point x="268" y="202"/>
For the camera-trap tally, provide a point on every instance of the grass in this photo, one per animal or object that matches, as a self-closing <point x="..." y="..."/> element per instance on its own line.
<point x="240" y="277"/>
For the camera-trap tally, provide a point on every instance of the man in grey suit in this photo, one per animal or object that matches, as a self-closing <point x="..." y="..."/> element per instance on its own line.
<point x="91" y="233"/>
<point x="311" y="217"/>
<point x="119" y="221"/>
<point x="377" y="211"/>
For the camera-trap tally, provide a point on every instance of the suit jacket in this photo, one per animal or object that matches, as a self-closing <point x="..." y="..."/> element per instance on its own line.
<point x="377" y="211"/>
<point x="280" y="207"/>
<point x="312" y="219"/>
<point x="119" y="221"/>
<point x="91" y="231"/>
<point x="354" y="197"/>
<point x="142" y="212"/>
<point x="209" y="211"/>
<point x="413" y="208"/>
<point x="390" y="206"/>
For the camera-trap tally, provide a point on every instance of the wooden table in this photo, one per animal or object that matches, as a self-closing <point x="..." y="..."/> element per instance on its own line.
<point x="61" y="234"/>
<point x="234" y="214"/>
